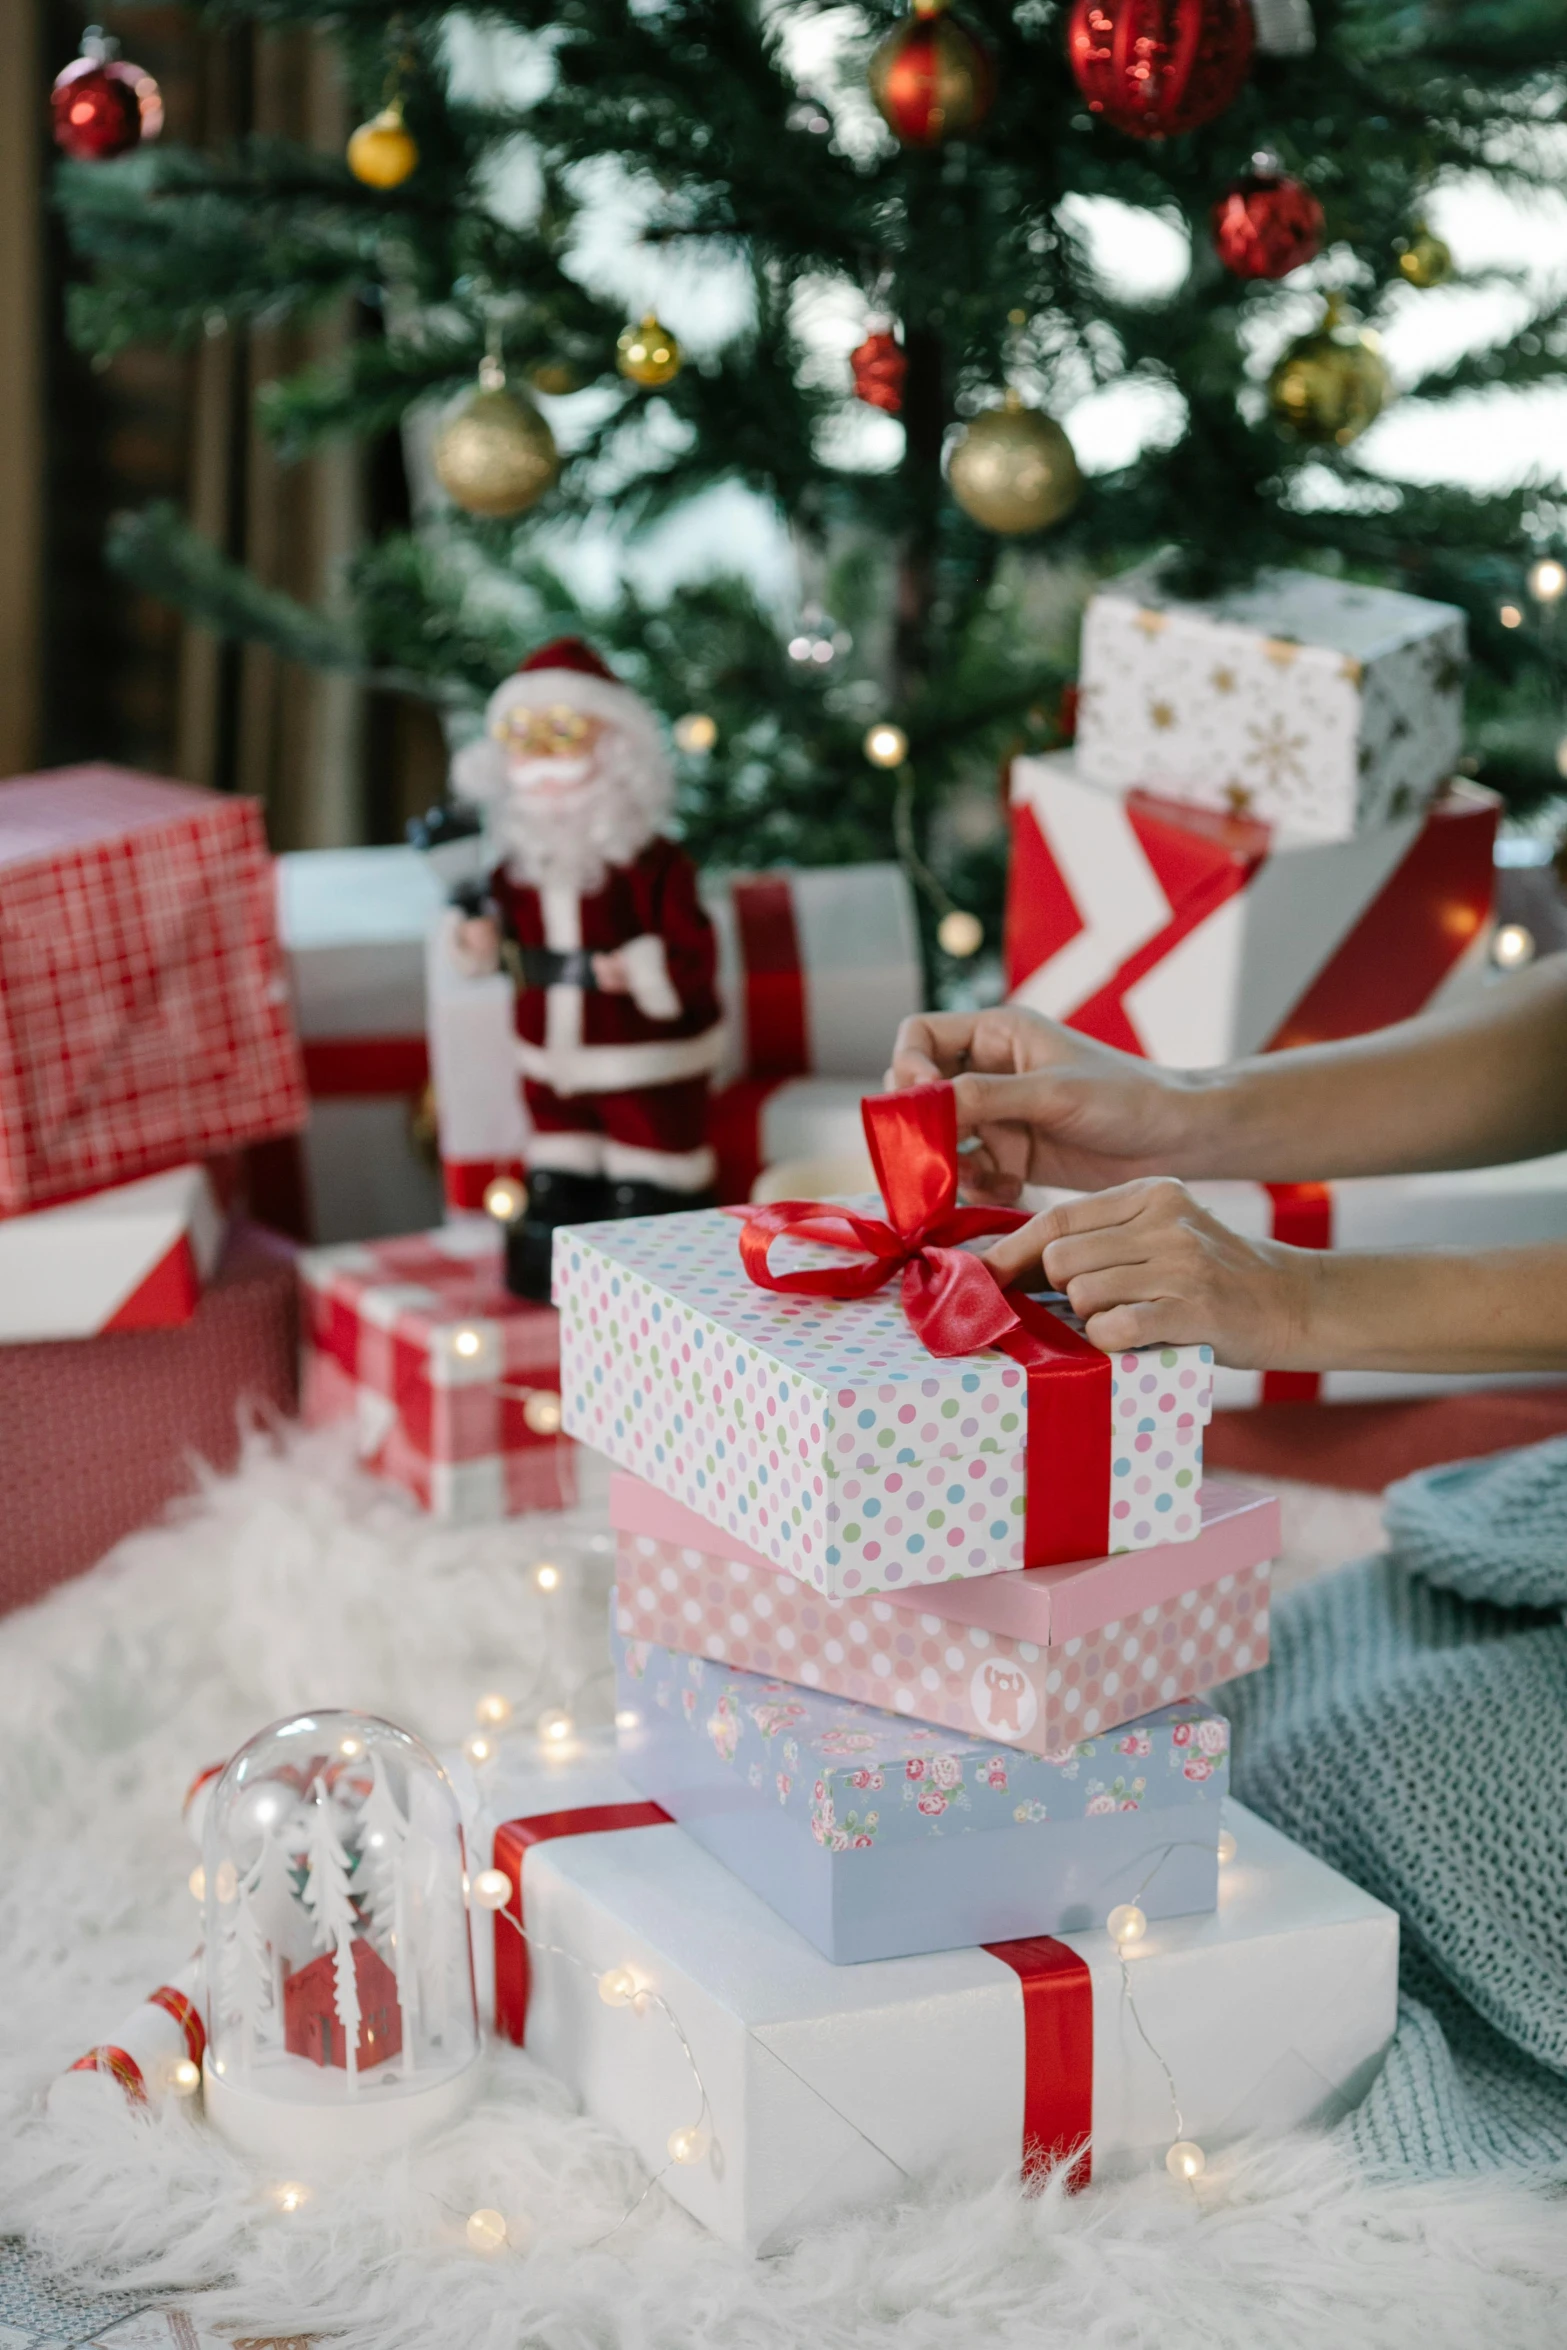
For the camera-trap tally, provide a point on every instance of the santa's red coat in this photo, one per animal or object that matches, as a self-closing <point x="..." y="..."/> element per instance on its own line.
<point x="582" y="1040"/>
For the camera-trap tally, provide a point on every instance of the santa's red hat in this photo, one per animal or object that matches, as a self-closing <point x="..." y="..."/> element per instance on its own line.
<point x="568" y="652"/>
<point x="565" y="671"/>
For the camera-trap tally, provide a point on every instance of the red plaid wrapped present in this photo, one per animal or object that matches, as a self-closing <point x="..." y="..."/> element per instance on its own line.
<point x="143" y="1010"/>
<point x="454" y="1382"/>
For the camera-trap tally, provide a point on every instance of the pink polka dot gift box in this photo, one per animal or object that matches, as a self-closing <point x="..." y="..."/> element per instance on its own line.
<point x="823" y="1434"/>
<point x="1036" y="1660"/>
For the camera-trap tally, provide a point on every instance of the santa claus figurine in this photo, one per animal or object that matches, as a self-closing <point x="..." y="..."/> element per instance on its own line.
<point x="594" y="911"/>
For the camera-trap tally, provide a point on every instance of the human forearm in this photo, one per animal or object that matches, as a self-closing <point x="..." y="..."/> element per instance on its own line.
<point x="1460" y="1089"/>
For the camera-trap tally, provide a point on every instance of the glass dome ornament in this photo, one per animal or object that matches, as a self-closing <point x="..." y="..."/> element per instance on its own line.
<point x="341" y="2017"/>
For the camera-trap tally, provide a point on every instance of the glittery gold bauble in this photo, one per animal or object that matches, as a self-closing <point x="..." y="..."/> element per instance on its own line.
<point x="1012" y="469"/>
<point x="555" y="378"/>
<point x="931" y="78"/>
<point x="381" y="153"/>
<point x="497" y="456"/>
<point x="1330" y="384"/>
<point x="648" y="353"/>
<point x="1426" y="260"/>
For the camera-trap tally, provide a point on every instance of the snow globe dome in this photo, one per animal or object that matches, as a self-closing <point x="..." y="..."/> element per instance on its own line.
<point x="341" y="2017"/>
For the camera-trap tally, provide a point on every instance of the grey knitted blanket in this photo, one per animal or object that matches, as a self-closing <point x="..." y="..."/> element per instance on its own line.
<point x="1412" y="1729"/>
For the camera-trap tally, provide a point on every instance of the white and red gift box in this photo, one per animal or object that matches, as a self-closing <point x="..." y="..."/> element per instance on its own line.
<point x="815" y="970"/>
<point x="134" y="1257"/>
<point x="453" y="1383"/>
<point x="354" y="925"/>
<point x="1037" y="1659"/>
<point x="144" y="1013"/>
<point x="97" y="1435"/>
<point x="1194" y="938"/>
<point x="812" y="2089"/>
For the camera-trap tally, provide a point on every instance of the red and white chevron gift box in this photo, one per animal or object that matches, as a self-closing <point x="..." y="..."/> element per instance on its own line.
<point x="1194" y="938"/>
<point x="136" y="1257"/>
<point x="454" y="1383"/>
<point x="144" y="1013"/>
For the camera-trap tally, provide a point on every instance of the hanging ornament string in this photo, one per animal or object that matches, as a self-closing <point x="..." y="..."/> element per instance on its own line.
<point x="958" y="932"/>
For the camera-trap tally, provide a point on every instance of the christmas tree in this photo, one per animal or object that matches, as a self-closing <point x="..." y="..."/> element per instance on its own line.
<point x="944" y="234"/>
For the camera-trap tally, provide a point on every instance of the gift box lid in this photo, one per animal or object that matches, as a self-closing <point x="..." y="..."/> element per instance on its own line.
<point x="1343" y="617"/>
<point x="824" y="1379"/>
<point x="855" y="1778"/>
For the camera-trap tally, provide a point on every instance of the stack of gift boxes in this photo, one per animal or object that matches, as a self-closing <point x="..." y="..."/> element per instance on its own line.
<point x="914" y="1856"/>
<point x="145" y="1040"/>
<point x="1260" y="839"/>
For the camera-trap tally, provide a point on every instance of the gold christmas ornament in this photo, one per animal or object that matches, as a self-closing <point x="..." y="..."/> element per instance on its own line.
<point x="648" y="354"/>
<point x="1331" y="383"/>
<point x="555" y="378"/>
<point x="381" y="153"/>
<point x="960" y="933"/>
<point x="497" y="456"/>
<point x="1012" y="469"/>
<point x="1425" y="260"/>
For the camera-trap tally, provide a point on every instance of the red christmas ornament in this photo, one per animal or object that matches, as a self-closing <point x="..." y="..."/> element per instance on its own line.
<point x="932" y="79"/>
<point x="1266" y="225"/>
<point x="879" y="369"/>
<point x="1155" y="67"/>
<point x="101" y="106"/>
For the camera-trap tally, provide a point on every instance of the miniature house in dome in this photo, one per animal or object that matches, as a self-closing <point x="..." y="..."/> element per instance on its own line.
<point x="340" y="2000"/>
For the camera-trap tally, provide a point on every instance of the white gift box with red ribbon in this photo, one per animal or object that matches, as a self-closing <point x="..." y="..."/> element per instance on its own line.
<point x="671" y="1999"/>
<point x="134" y="1257"/>
<point x="1194" y="938"/>
<point x="815" y="970"/>
<point x="354" y="925"/>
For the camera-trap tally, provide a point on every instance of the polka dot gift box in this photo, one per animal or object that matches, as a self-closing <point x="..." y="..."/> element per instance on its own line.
<point x="822" y="1433"/>
<point x="1038" y="1660"/>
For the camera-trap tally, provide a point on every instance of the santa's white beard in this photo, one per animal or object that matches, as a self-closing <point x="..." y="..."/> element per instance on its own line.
<point x="557" y="839"/>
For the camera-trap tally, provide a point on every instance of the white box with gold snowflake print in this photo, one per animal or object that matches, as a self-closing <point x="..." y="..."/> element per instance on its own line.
<point x="1320" y="705"/>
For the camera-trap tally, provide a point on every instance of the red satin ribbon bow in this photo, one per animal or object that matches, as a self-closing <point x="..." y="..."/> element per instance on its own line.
<point x="955" y="1306"/>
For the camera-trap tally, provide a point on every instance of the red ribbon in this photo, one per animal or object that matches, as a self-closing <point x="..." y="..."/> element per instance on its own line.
<point x="174" y="2003"/>
<point x="118" y="2066"/>
<point x="514" y="1839"/>
<point x="1302" y="1218"/>
<point x="776" y="1044"/>
<point x="955" y="1306"/>
<point x="1058" y="2054"/>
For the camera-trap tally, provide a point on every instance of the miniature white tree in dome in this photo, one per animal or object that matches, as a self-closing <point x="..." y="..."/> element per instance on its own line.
<point x="384" y="1834"/>
<point x="331" y="1904"/>
<point x="336" y="1920"/>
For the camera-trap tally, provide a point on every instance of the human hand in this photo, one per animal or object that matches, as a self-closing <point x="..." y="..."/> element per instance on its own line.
<point x="1145" y="1265"/>
<point x="610" y="975"/>
<point x="1040" y="1104"/>
<point x="476" y="945"/>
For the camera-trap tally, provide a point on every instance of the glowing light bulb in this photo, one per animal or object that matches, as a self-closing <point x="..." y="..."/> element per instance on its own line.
<point x="1126" y="1923"/>
<point x="184" y="2077"/>
<point x="477" y="1748"/>
<point x="226" y="1883"/>
<point x="547" y="1577"/>
<point x="1512" y="947"/>
<point x="1186" y="2159"/>
<point x="1226" y="1845"/>
<point x="960" y="933"/>
<point x="886" y="745"/>
<point x="696" y="731"/>
<point x="541" y="1412"/>
<point x="486" y="2230"/>
<point x="1561" y="756"/>
<point x="618" y="1987"/>
<point x="198" y="1883"/>
<point x="492" y="1710"/>
<point x="290" y="2195"/>
<point x="555" y="1726"/>
<point x="627" y="1718"/>
<point x="491" y="1888"/>
<point x="350" y="1747"/>
<point x="466" y="1343"/>
<point x="505" y="1198"/>
<point x="1548" y="579"/>
<point x="1510" y="616"/>
<point x="688" y="2144"/>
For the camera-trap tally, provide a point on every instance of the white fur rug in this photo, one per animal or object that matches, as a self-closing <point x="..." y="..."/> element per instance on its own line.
<point x="298" y="1582"/>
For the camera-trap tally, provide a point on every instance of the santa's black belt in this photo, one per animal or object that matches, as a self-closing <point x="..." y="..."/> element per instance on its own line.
<point x="546" y="967"/>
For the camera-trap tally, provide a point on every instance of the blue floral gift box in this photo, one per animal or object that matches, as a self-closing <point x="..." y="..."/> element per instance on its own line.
<point x="878" y="1837"/>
